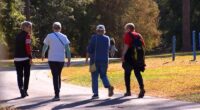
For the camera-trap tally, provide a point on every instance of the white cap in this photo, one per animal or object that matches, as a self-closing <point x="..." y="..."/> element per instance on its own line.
<point x="100" y="27"/>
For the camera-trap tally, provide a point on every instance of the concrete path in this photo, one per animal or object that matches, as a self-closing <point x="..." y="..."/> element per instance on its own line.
<point x="75" y="97"/>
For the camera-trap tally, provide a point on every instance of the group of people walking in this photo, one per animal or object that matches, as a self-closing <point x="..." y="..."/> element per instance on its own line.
<point x="98" y="49"/>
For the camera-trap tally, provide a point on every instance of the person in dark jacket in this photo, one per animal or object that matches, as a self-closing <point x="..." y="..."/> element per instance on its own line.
<point x="98" y="50"/>
<point x="23" y="57"/>
<point x="127" y="62"/>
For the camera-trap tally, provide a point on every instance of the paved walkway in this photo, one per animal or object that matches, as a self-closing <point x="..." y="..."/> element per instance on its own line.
<point x="75" y="97"/>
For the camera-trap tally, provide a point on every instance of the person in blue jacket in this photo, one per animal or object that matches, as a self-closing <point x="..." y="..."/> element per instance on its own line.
<point x="98" y="50"/>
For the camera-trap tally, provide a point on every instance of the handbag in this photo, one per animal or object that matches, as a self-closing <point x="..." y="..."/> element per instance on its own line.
<point x="92" y="67"/>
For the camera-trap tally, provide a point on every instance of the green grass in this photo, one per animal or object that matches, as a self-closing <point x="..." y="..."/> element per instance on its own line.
<point x="6" y="64"/>
<point x="162" y="78"/>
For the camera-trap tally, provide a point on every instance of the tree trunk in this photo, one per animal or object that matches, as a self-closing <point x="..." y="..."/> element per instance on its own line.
<point x="186" y="39"/>
<point x="27" y="9"/>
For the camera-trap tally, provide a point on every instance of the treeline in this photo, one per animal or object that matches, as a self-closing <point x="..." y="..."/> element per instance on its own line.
<point x="170" y="20"/>
<point x="156" y="20"/>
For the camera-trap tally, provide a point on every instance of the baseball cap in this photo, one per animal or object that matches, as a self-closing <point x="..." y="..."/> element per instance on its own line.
<point x="100" y="27"/>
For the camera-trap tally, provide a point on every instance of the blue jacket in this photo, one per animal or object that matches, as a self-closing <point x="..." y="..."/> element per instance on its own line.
<point x="99" y="44"/>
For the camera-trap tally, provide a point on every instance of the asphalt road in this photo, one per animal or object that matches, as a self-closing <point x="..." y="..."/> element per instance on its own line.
<point x="75" y="97"/>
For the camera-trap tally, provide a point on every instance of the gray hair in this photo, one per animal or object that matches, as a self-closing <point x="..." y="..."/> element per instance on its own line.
<point x="57" y="25"/>
<point x="25" y="24"/>
<point x="130" y="26"/>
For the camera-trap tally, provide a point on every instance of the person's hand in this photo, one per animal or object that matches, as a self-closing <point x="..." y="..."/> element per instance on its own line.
<point x="42" y="58"/>
<point x="31" y="61"/>
<point x="86" y="61"/>
<point x="69" y="62"/>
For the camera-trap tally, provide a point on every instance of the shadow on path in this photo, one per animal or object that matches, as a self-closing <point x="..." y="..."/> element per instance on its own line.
<point x="37" y="102"/>
<point x="114" y="101"/>
<point x="97" y="103"/>
<point x="44" y="101"/>
<point x="4" y="101"/>
<point x="72" y="105"/>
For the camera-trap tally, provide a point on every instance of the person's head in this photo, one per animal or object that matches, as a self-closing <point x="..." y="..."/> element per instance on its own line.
<point x="129" y="27"/>
<point x="57" y="27"/>
<point x="26" y="26"/>
<point x="112" y="40"/>
<point x="100" y="29"/>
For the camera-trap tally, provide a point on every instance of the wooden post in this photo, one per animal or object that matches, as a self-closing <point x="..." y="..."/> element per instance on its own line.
<point x="186" y="40"/>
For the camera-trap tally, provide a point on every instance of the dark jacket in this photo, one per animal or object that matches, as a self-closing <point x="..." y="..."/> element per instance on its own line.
<point x="23" y="45"/>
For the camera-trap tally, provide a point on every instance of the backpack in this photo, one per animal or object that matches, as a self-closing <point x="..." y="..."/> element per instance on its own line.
<point x="136" y="53"/>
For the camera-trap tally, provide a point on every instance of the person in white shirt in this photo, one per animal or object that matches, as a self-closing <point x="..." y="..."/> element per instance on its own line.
<point x="58" y="44"/>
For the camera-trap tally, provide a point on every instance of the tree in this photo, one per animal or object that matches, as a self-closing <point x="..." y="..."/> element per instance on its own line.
<point x="186" y="26"/>
<point x="2" y="36"/>
<point x="12" y="17"/>
<point x="170" y="22"/>
<point x="115" y="14"/>
<point x="71" y="13"/>
<point x="27" y="9"/>
<point x="80" y="17"/>
<point x="145" y="16"/>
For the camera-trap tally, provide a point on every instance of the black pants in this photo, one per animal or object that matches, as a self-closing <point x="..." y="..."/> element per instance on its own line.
<point x="23" y="74"/>
<point x="56" y="69"/>
<point x="128" y="69"/>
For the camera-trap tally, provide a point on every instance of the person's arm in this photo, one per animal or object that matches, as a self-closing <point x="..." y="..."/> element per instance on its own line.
<point x="124" y="51"/>
<point x="127" y="42"/>
<point x="91" y="46"/>
<point x="44" y="49"/>
<point x="143" y="43"/>
<point x="68" y="54"/>
<point x="28" y="47"/>
<point x="87" y="57"/>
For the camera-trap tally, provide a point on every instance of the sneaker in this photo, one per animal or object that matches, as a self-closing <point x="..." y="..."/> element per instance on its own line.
<point x="56" y="98"/>
<point x="95" y="96"/>
<point x="127" y="94"/>
<point x="141" y="94"/>
<point x="110" y="91"/>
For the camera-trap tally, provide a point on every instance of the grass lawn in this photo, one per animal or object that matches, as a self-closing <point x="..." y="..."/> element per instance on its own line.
<point x="7" y="108"/>
<point x="10" y="63"/>
<point x="163" y="78"/>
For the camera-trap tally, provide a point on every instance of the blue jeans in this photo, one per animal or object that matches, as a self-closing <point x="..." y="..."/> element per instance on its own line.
<point x="102" y="71"/>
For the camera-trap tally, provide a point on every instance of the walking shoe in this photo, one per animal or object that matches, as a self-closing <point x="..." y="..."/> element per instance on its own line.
<point x="22" y="93"/>
<point x="95" y="96"/>
<point x="127" y="94"/>
<point x="110" y="91"/>
<point x="26" y="94"/>
<point x="56" y="98"/>
<point x="141" y="94"/>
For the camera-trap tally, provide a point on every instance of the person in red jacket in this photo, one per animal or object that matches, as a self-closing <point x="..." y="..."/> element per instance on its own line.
<point x="23" y="57"/>
<point x="127" y="61"/>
